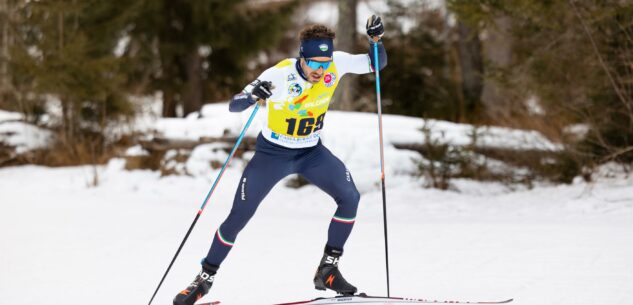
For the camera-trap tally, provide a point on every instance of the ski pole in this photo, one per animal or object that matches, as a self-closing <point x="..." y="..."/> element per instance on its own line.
<point x="382" y="159"/>
<point x="206" y="199"/>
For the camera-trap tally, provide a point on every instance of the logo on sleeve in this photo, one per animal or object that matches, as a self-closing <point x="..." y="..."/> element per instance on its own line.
<point x="292" y="77"/>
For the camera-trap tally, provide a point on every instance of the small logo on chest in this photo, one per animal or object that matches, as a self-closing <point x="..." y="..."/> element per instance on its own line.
<point x="294" y="90"/>
<point x="329" y="79"/>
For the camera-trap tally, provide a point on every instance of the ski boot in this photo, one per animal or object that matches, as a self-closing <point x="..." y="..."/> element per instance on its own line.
<point x="199" y="287"/>
<point x="329" y="277"/>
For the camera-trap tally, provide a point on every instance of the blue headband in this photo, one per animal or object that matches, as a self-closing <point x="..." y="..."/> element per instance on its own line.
<point x="316" y="47"/>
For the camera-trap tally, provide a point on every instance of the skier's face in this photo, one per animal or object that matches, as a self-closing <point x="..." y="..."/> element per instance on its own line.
<point x="309" y="65"/>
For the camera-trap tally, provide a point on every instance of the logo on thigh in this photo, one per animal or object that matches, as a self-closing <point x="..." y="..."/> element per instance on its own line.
<point x="243" y="189"/>
<point x="348" y="176"/>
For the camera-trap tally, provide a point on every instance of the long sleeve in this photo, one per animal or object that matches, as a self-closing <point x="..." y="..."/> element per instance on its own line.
<point x="360" y="63"/>
<point x="240" y="102"/>
<point x="244" y="99"/>
<point x="382" y="56"/>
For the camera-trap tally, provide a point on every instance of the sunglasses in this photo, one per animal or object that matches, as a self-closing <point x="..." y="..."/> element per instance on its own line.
<point x="315" y="65"/>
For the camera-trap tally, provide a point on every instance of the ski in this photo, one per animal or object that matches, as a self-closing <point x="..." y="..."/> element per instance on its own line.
<point x="365" y="299"/>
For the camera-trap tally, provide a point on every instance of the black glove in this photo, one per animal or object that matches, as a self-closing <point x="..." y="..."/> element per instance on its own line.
<point x="374" y="27"/>
<point x="262" y="90"/>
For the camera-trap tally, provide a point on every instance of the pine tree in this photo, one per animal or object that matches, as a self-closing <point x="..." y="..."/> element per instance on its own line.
<point x="346" y="38"/>
<point x="197" y="50"/>
<point x="417" y="80"/>
<point x="65" y="50"/>
<point x="576" y="57"/>
<point x="7" y="18"/>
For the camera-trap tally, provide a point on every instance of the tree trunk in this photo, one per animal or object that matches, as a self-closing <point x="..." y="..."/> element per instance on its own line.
<point x="69" y="121"/>
<point x="169" y="103"/>
<point x="193" y="88"/>
<point x="497" y="50"/>
<point x="472" y="69"/>
<point x="4" y="49"/>
<point x="346" y="41"/>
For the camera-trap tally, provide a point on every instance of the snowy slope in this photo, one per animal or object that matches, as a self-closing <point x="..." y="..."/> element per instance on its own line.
<point x="22" y="136"/>
<point x="66" y="243"/>
<point x="353" y="138"/>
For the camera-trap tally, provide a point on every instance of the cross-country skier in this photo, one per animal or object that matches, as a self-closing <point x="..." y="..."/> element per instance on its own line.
<point x="297" y="92"/>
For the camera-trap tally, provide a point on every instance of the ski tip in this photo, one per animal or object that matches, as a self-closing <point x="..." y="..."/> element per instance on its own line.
<point x="498" y="302"/>
<point x="210" y="303"/>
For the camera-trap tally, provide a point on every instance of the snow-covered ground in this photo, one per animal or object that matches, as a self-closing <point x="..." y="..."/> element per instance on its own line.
<point x="16" y="133"/>
<point x="63" y="242"/>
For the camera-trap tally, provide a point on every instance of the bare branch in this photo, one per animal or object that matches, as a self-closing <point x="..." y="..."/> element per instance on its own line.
<point x="617" y="154"/>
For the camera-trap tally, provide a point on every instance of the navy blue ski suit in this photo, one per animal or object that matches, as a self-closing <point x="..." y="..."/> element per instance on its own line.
<point x="281" y="152"/>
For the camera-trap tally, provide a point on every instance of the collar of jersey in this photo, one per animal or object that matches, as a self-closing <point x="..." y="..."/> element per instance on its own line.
<point x="299" y="70"/>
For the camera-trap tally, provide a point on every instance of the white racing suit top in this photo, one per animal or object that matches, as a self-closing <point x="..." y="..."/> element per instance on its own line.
<point x="295" y="113"/>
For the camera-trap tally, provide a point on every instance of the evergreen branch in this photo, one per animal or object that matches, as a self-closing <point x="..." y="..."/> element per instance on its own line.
<point x="621" y="96"/>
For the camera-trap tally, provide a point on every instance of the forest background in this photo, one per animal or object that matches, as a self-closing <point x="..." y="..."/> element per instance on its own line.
<point x="563" y="68"/>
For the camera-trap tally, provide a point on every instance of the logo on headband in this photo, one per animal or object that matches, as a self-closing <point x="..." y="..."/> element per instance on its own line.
<point x="323" y="47"/>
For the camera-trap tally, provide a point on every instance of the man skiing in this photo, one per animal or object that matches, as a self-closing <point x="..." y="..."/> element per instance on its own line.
<point x="296" y="93"/>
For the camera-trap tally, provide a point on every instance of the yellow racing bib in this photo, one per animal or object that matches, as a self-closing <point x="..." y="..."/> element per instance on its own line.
<point x="302" y="113"/>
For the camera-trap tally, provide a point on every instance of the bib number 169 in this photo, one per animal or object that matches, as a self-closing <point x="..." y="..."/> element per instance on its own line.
<point x="305" y="127"/>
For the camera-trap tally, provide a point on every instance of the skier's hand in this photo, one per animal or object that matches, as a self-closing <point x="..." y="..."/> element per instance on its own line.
<point x="262" y="91"/>
<point x="374" y="27"/>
